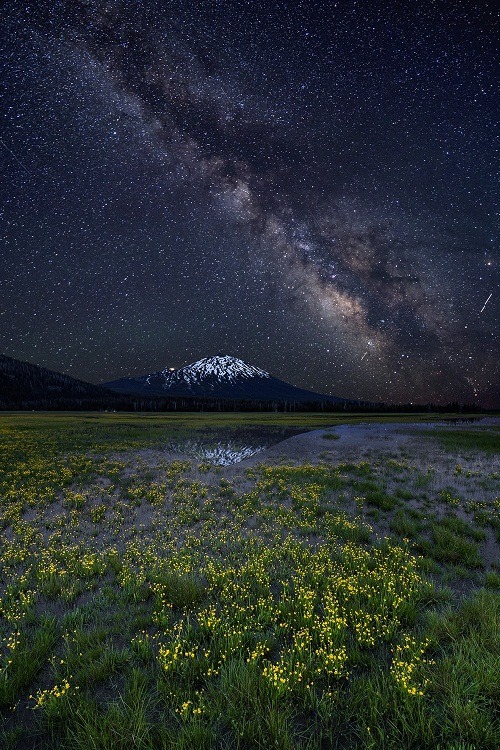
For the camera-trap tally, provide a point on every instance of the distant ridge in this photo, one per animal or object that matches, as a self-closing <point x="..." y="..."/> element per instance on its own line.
<point x="212" y="384"/>
<point x="221" y="376"/>
<point x="30" y="386"/>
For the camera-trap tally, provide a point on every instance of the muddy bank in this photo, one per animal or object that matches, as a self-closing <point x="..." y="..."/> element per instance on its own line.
<point x="359" y="441"/>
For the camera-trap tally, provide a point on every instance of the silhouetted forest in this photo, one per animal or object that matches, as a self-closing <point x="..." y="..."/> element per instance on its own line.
<point x="27" y="387"/>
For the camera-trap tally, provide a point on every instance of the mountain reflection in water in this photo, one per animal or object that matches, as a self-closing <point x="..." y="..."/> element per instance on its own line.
<point x="227" y="447"/>
<point x="223" y="454"/>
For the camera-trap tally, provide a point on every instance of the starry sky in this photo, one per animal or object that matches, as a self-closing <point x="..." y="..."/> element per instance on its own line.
<point x="310" y="186"/>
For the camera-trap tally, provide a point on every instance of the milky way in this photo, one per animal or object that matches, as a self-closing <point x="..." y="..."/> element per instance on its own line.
<point x="308" y="186"/>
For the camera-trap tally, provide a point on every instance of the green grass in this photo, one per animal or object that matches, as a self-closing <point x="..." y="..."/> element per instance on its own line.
<point x="405" y="524"/>
<point x="447" y="547"/>
<point x="472" y="439"/>
<point x="169" y="606"/>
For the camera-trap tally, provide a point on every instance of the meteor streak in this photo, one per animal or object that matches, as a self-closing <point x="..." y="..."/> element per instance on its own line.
<point x="491" y="295"/>
<point x="15" y="157"/>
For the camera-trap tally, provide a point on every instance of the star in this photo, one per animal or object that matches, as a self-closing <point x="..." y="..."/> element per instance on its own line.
<point x="302" y="191"/>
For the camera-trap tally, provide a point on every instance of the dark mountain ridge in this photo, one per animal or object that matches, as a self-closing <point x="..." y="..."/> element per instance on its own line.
<point x="24" y="385"/>
<point x="28" y="387"/>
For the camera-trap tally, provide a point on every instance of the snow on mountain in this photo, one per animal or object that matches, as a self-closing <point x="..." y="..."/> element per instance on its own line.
<point x="219" y="377"/>
<point x="224" y="369"/>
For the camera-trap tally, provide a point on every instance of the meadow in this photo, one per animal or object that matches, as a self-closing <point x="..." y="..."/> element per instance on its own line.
<point x="150" y="601"/>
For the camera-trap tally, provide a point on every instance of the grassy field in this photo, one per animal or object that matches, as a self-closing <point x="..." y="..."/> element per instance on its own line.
<point x="154" y="603"/>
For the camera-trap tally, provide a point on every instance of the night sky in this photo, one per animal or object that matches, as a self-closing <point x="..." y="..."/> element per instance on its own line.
<point x="310" y="186"/>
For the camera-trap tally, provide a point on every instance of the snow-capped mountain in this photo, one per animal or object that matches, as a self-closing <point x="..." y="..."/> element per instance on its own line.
<point x="220" y="377"/>
<point x="221" y="369"/>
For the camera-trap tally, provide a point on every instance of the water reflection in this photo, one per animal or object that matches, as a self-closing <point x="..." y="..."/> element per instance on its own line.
<point x="227" y="447"/>
<point x="223" y="454"/>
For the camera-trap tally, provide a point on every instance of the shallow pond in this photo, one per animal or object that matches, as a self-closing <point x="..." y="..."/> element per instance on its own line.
<point x="223" y="447"/>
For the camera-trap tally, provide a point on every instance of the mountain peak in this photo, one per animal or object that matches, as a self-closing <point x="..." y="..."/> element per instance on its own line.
<point x="220" y="376"/>
<point x="221" y="368"/>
